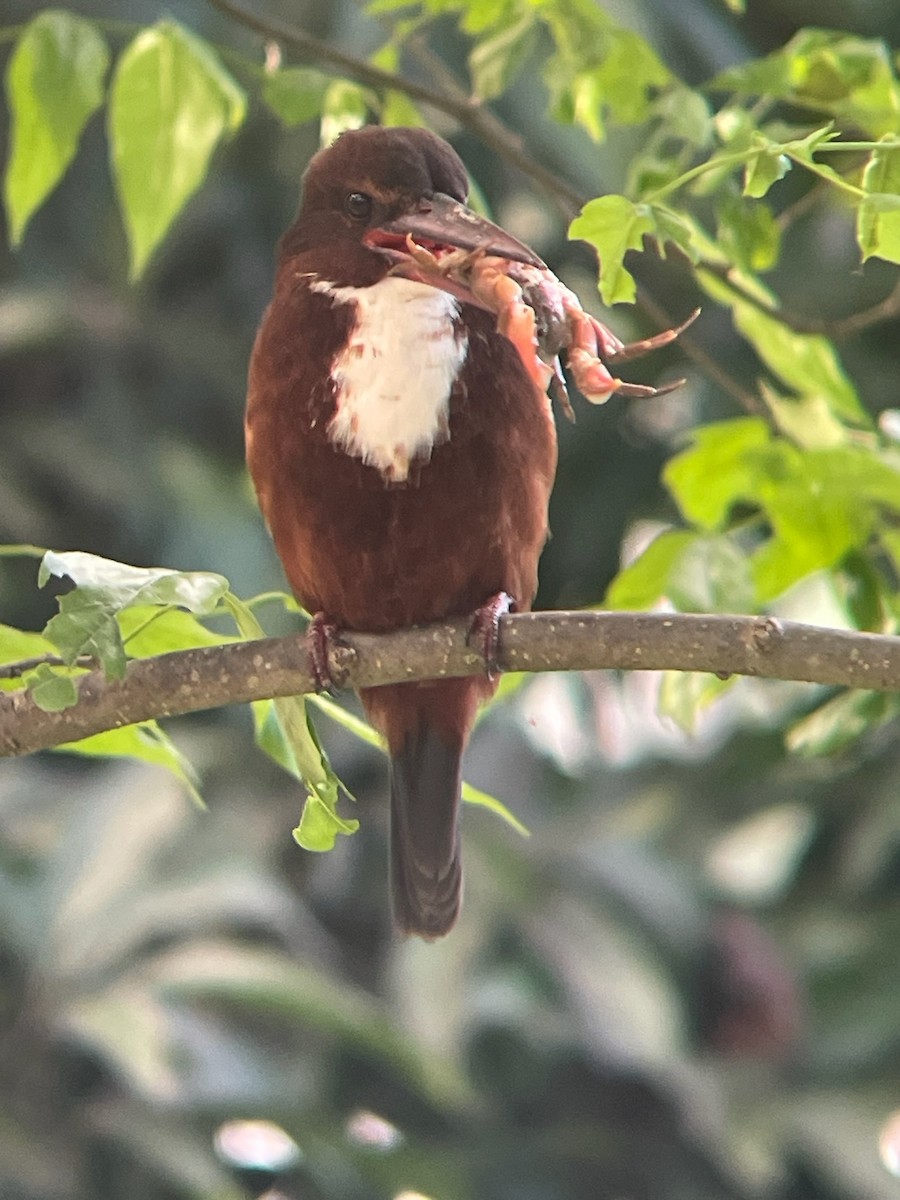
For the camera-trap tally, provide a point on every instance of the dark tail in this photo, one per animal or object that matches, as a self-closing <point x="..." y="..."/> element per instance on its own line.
<point x="426" y="870"/>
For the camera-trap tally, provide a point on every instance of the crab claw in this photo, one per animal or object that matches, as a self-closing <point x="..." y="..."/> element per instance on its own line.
<point x="642" y="391"/>
<point x="636" y="349"/>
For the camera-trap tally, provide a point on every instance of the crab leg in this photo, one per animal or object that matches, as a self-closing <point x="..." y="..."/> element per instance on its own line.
<point x="637" y="349"/>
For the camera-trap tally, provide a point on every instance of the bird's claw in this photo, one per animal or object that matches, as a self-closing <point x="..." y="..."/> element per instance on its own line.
<point x="321" y="635"/>
<point x="484" y="632"/>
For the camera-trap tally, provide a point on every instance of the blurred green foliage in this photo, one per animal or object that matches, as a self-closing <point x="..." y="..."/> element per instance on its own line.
<point x="683" y="984"/>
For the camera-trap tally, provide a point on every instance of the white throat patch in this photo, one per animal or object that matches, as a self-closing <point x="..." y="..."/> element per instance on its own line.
<point x="393" y="380"/>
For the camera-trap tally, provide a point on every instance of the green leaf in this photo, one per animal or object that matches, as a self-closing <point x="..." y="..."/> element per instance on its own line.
<point x="766" y="167"/>
<point x="748" y="232"/>
<point x="123" y="585"/>
<point x="718" y="470"/>
<point x="171" y="103"/>
<point x="613" y="225"/>
<point x="296" y="94"/>
<point x="495" y="60"/>
<point x="806" y="420"/>
<point x="878" y="215"/>
<point x="398" y="109"/>
<point x="679" y="228"/>
<point x="644" y="582"/>
<point x="849" y="77"/>
<point x="712" y="575"/>
<point x="683" y="695"/>
<point x="285" y="732"/>
<point x="145" y="741"/>
<point x="150" y="630"/>
<point x="18" y="646"/>
<point x="686" y="114"/>
<point x="812" y="531"/>
<point x="345" y="105"/>
<point x="473" y="795"/>
<point x="629" y="75"/>
<point x="584" y="104"/>
<point x="54" y="83"/>
<point x="807" y="363"/>
<point x="50" y="690"/>
<point x="878" y="227"/>
<point x="840" y="722"/>
<point x="87" y="621"/>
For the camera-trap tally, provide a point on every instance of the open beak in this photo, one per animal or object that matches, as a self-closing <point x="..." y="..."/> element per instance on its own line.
<point x="442" y="222"/>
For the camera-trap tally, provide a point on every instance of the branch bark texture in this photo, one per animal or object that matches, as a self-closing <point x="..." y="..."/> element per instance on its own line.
<point x="191" y="680"/>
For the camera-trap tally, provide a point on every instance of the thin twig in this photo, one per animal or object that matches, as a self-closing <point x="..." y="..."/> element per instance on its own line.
<point x="454" y="102"/>
<point x="451" y="99"/>
<point x="208" y="677"/>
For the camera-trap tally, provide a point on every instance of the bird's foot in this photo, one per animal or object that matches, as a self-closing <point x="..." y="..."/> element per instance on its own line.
<point x="321" y="634"/>
<point x="484" y="632"/>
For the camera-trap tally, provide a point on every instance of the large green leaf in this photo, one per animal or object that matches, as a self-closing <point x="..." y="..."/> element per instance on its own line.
<point x="807" y="363"/>
<point x="54" y="82"/>
<point x="878" y="216"/>
<point x="170" y="105"/>
<point x="644" y="582"/>
<point x="495" y="61"/>
<point x="826" y="70"/>
<point x="296" y="94"/>
<point x="717" y="470"/>
<point x="286" y="733"/>
<point x="613" y="225"/>
<point x="87" y="621"/>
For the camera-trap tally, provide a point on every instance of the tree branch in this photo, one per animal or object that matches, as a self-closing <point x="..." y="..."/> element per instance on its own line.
<point x="454" y="102"/>
<point x="191" y="680"/>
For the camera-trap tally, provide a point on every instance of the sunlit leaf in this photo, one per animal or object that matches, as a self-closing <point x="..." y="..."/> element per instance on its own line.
<point x="124" y="585"/>
<point x="54" y="82"/>
<point x="51" y="690"/>
<point x="86" y="623"/>
<point x="644" y="582"/>
<point x="496" y="60"/>
<point x="286" y="733"/>
<point x="296" y="94"/>
<point x="766" y="167"/>
<point x="613" y="225"/>
<point x="629" y="75"/>
<point x="18" y="645"/>
<point x="150" y="630"/>
<point x="345" y="105"/>
<point x="717" y="471"/>
<point x="878" y="226"/>
<point x="398" y="109"/>
<point x="171" y="103"/>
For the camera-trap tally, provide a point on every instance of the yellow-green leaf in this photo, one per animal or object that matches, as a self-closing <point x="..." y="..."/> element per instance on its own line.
<point x="54" y="83"/>
<point x="613" y="225"/>
<point x="171" y="103"/>
<point x="296" y="94"/>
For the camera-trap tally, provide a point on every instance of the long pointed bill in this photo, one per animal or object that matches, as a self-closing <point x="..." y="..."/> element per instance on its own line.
<point x="441" y="223"/>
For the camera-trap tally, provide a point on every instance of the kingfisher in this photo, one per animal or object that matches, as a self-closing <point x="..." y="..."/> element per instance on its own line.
<point x="403" y="459"/>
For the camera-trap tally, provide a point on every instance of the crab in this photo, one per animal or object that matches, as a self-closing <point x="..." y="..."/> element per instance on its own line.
<point x="543" y="319"/>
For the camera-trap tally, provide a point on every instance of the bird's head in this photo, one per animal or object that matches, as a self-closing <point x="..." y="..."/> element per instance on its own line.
<point x="369" y="190"/>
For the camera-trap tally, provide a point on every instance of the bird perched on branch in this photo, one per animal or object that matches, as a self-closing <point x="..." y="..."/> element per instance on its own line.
<point x="403" y="458"/>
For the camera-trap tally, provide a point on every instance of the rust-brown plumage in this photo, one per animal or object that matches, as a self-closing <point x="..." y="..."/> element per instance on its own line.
<point x="374" y="552"/>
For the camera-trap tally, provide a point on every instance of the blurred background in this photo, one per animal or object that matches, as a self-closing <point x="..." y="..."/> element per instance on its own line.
<point x="683" y="986"/>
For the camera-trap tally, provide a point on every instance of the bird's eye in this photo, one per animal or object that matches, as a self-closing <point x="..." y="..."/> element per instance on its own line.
<point x="358" y="206"/>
